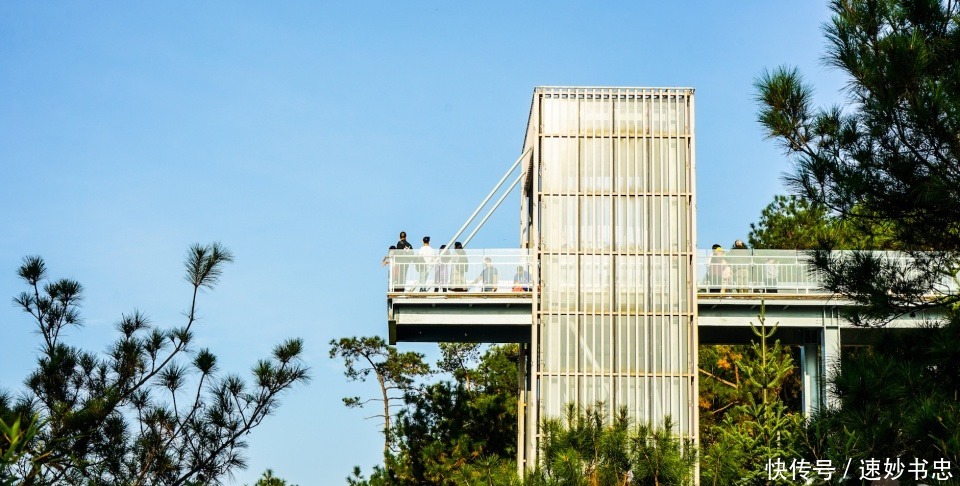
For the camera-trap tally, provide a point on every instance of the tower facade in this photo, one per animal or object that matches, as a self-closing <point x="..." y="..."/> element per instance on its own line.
<point x="608" y="211"/>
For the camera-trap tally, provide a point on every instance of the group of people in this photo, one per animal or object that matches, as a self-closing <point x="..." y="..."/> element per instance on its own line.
<point x="742" y="274"/>
<point x="448" y="268"/>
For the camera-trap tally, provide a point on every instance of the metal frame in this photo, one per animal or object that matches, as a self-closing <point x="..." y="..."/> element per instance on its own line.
<point x="591" y="338"/>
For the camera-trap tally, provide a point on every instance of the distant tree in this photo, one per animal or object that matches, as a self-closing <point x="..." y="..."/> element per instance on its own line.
<point x="152" y="409"/>
<point x="795" y="223"/>
<point x="357" y="479"/>
<point x="888" y="158"/>
<point x="268" y="479"/>
<point x="395" y="372"/>
<point x="790" y="223"/>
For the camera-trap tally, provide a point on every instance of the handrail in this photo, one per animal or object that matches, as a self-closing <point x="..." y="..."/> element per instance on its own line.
<point x="780" y="272"/>
<point x="497" y="271"/>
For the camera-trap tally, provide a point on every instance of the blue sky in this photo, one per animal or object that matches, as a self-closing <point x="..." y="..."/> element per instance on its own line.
<point x="305" y="136"/>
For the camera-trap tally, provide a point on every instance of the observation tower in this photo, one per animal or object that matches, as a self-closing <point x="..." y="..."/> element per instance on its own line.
<point x="607" y="294"/>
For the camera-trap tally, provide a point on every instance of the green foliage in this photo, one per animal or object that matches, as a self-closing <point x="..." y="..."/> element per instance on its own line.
<point x="444" y="431"/>
<point x="719" y="385"/>
<point x="794" y="223"/>
<point x="488" y="470"/>
<point x="448" y="433"/>
<point x="151" y="409"/>
<point x="889" y="159"/>
<point x="585" y="448"/>
<point x="457" y="359"/>
<point x="14" y="442"/>
<point x="760" y="426"/>
<point x="790" y="223"/>
<point x="896" y="399"/>
<point x="395" y="372"/>
<point x="660" y="457"/>
<point x="892" y="152"/>
<point x="268" y="479"/>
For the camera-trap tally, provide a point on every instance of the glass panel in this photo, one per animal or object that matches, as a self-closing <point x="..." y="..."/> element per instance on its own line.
<point x="668" y="224"/>
<point x="673" y="118"/>
<point x="596" y="223"/>
<point x="657" y="117"/>
<point x="684" y="362"/>
<point x="656" y="399"/>
<point x="596" y="390"/>
<point x="681" y="110"/>
<point x="559" y="282"/>
<point x="597" y="343"/>
<point x="630" y="116"/>
<point x="631" y="223"/>
<point x="668" y="116"/>
<point x="558" y="116"/>
<point x="557" y="392"/>
<point x="596" y="164"/>
<point x="669" y="340"/>
<point x="657" y="346"/>
<point x="558" y="223"/>
<point x="666" y="294"/>
<point x="559" y="161"/>
<point x="596" y="116"/>
<point x="455" y="269"/>
<point x="684" y="405"/>
<point x="596" y="285"/>
<point x="632" y="283"/>
<point x="560" y="344"/>
<point x="676" y="348"/>
<point x="630" y="392"/>
<point x="666" y="166"/>
<point x="631" y="165"/>
<point x="674" y="166"/>
<point x="682" y="164"/>
<point x="630" y="341"/>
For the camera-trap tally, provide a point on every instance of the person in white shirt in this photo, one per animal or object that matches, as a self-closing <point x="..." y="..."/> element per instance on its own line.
<point x="429" y="257"/>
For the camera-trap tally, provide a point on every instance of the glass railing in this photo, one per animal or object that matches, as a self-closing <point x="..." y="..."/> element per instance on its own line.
<point x="496" y="271"/>
<point x="756" y="271"/>
<point x="509" y="271"/>
<point x="789" y="272"/>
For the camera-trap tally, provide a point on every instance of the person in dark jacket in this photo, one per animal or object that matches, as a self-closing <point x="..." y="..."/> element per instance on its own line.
<point x="404" y="260"/>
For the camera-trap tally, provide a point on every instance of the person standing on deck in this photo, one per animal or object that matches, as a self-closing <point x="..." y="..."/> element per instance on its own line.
<point x="428" y="257"/>
<point x="403" y="261"/>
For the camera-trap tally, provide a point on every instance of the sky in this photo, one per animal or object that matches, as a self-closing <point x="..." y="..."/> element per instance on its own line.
<point x="305" y="136"/>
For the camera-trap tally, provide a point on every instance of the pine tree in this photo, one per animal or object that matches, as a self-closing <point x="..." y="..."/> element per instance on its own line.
<point x="760" y="428"/>
<point x="152" y="409"/>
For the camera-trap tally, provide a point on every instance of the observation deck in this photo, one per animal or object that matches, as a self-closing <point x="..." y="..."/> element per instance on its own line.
<point x="460" y="296"/>
<point x="488" y="296"/>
